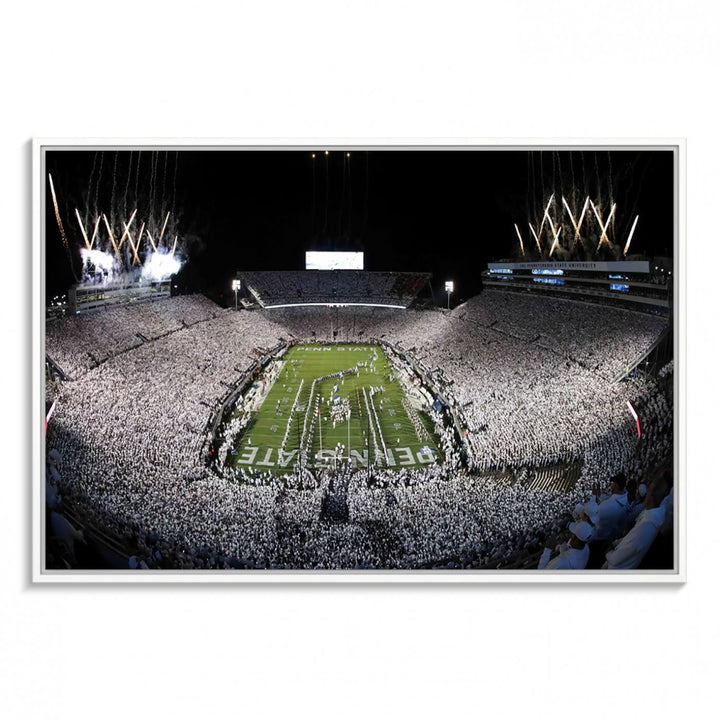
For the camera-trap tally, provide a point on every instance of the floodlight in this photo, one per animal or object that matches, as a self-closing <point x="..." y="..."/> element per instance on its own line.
<point x="449" y="287"/>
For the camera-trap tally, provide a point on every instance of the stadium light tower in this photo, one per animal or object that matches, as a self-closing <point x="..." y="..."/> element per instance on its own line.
<point x="449" y="287"/>
<point x="236" y="287"/>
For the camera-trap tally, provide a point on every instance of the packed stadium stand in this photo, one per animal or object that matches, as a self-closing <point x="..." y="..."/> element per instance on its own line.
<point x="79" y="344"/>
<point x="531" y="382"/>
<point x="335" y="286"/>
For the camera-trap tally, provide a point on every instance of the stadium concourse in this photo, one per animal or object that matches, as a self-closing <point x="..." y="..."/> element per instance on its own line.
<point x="532" y="383"/>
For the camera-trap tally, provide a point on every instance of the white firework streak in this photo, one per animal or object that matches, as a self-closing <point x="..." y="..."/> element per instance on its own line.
<point x="632" y="230"/>
<point x="603" y="228"/>
<point x="578" y="225"/>
<point x="522" y="247"/>
<point x="112" y="238"/>
<point x="95" y="231"/>
<point x="135" y="247"/>
<point x="127" y="229"/>
<point x="57" y="213"/>
<point x="537" y="239"/>
<point x="162" y="232"/>
<point x="82" y="229"/>
<point x="545" y="214"/>
<point x="556" y="235"/>
<point x="152" y="242"/>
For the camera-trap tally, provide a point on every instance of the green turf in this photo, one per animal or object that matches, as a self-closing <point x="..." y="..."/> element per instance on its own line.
<point x="258" y="447"/>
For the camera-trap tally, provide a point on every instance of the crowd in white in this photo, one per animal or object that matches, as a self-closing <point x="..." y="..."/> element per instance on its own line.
<point x="78" y="345"/>
<point x="529" y="377"/>
<point x="348" y="286"/>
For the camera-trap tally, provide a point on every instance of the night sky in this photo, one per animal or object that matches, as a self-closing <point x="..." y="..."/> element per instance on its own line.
<point x="444" y="212"/>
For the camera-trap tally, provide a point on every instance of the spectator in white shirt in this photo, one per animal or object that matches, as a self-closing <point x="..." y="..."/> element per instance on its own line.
<point x="612" y="510"/>
<point x="631" y="549"/>
<point x="638" y="504"/>
<point x="574" y="554"/>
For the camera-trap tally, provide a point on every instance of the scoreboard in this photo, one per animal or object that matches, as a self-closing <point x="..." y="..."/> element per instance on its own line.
<point x="318" y="260"/>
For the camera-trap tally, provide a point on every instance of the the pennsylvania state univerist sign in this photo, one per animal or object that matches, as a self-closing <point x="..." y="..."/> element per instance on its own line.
<point x="628" y="266"/>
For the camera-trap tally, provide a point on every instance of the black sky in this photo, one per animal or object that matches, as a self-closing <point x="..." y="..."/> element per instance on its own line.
<point x="442" y="211"/>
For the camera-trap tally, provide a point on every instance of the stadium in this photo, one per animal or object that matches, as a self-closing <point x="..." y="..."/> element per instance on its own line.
<point x="279" y="406"/>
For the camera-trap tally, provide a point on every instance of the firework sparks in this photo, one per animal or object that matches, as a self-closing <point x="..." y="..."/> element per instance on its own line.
<point x="127" y="229"/>
<point x="577" y="225"/>
<point x="632" y="230"/>
<point x="82" y="229"/>
<point x="160" y="266"/>
<point x="103" y="262"/>
<point x="135" y="247"/>
<point x="57" y="213"/>
<point x="603" y="228"/>
<point x="545" y="214"/>
<point x="556" y="235"/>
<point x="130" y="240"/>
<point x="522" y="247"/>
<point x="152" y="242"/>
<point x="95" y="231"/>
<point x="162" y="232"/>
<point x="537" y="239"/>
<point x="112" y="239"/>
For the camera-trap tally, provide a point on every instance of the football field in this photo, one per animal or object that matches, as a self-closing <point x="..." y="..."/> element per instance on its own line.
<point x="363" y="415"/>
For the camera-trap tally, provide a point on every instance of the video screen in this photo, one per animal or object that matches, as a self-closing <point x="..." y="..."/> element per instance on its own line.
<point x="317" y="260"/>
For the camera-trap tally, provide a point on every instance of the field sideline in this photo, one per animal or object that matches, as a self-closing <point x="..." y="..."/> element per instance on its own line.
<point x="259" y="446"/>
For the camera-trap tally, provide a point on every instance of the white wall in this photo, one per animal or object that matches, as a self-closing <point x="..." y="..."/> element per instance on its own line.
<point x="405" y="69"/>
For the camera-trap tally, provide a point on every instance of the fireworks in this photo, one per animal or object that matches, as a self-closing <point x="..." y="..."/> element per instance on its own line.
<point x="148" y="253"/>
<point x="556" y="235"/>
<point x="105" y="266"/>
<point x="162" y="232"/>
<point x="160" y="265"/>
<point x="82" y="229"/>
<point x="632" y="230"/>
<point x="135" y="247"/>
<point x="579" y="205"/>
<point x="112" y="239"/>
<point x="603" y="228"/>
<point x="537" y="239"/>
<point x="576" y="225"/>
<point x="545" y="214"/>
<point x="104" y="263"/>
<point x="57" y="213"/>
<point x="97" y="225"/>
<point x="127" y="229"/>
<point x="522" y="247"/>
<point x="152" y="242"/>
<point x="132" y="245"/>
<point x="555" y="226"/>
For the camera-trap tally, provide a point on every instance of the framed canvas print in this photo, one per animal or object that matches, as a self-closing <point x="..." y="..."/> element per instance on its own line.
<point x="358" y="361"/>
